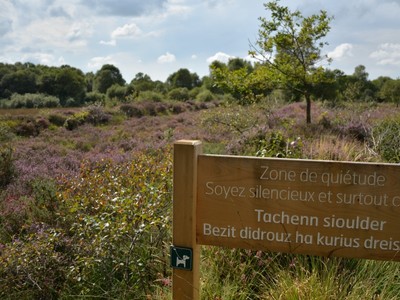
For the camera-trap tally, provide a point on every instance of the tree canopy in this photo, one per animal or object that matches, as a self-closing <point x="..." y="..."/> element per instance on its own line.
<point x="183" y="78"/>
<point x="107" y="76"/>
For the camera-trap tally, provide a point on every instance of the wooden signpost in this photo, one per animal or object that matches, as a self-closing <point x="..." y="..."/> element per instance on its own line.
<point x="325" y="208"/>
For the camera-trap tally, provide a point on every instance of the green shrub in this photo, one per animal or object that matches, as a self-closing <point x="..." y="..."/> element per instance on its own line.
<point x="76" y="120"/>
<point x="117" y="91"/>
<point x="150" y="96"/>
<point x="7" y="169"/>
<point x="386" y="139"/>
<point x="36" y="267"/>
<point x="276" y="145"/>
<point x="57" y="119"/>
<point x="230" y="118"/>
<point x="71" y="102"/>
<point x="95" y="97"/>
<point x="205" y="96"/>
<point x="33" y="101"/>
<point x="43" y="207"/>
<point x="119" y="215"/>
<point x="180" y="94"/>
<point x="195" y="91"/>
<point x="6" y="133"/>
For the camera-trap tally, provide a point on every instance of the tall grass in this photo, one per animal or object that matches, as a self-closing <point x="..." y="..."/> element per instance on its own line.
<point x="243" y="274"/>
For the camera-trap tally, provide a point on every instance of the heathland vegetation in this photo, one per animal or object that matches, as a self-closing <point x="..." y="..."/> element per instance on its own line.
<point x="86" y="171"/>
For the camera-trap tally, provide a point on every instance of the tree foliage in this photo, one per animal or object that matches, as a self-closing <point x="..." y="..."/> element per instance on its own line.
<point x="390" y="91"/>
<point x="183" y="79"/>
<point x="238" y="78"/>
<point x="290" y="44"/>
<point x="107" y="76"/>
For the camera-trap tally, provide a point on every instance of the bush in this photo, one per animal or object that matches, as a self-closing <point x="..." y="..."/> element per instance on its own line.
<point x="43" y="208"/>
<point x="33" y="101"/>
<point x="117" y="91"/>
<point x="178" y="108"/>
<point x="76" y="120"/>
<point x="357" y="130"/>
<point x="119" y="215"/>
<point x="231" y="118"/>
<point x="6" y="133"/>
<point x="97" y="116"/>
<point x="276" y="145"/>
<point x="57" y="119"/>
<point x="71" y="102"/>
<point x="386" y="139"/>
<point x="180" y="94"/>
<point x="131" y="110"/>
<point x="195" y="91"/>
<point x="7" y="168"/>
<point x="36" y="267"/>
<point x="205" y="96"/>
<point x="31" y="127"/>
<point x="150" y="96"/>
<point x="95" y="97"/>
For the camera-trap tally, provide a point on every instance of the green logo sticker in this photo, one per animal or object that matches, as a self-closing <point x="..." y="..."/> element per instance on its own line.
<point x="181" y="258"/>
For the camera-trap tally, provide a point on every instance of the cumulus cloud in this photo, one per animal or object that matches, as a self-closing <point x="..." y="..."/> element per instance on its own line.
<point x="108" y="43"/>
<point x="341" y="51"/>
<point x="177" y="7"/>
<point x="43" y="58"/>
<point x="166" y="58"/>
<point x="215" y="3"/>
<point x="387" y="54"/>
<point x="220" y="56"/>
<point x="128" y="30"/>
<point x="98" y="61"/>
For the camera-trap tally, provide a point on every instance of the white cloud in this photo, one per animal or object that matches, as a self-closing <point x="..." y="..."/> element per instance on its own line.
<point x="52" y="33"/>
<point x="166" y="58"/>
<point x="220" y="56"/>
<point x="109" y="43"/>
<point x="341" y="51"/>
<point x="128" y="30"/>
<point x="41" y="58"/>
<point x="97" y="62"/>
<point x="387" y="54"/>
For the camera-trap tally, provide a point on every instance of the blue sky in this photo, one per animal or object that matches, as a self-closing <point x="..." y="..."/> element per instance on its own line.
<point x="157" y="37"/>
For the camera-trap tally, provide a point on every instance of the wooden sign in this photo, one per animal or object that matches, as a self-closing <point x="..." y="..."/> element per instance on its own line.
<point x="299" y="206"/>
<point x="325" y="208"/>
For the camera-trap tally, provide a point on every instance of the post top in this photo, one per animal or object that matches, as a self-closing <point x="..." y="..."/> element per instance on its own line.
<point x="188" y="142"/>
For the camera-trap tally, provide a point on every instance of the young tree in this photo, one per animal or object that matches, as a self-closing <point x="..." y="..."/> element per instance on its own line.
<point x="290" y="45"/>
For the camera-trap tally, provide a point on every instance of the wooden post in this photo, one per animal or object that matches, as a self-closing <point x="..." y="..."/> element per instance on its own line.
<point x="186" y="283"/>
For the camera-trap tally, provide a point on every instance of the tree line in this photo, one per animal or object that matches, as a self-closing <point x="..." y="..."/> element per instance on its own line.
<point x="69" y="86"/>
<point x="288" y="54"/>
<point x="244" y="81"/>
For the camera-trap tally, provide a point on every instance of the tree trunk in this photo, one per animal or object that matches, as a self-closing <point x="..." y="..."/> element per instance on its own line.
<point x="308" y="110"/>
